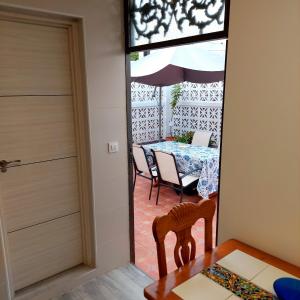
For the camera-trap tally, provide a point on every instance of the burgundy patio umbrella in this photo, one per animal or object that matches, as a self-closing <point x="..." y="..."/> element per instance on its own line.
<point x="192" y="63"/>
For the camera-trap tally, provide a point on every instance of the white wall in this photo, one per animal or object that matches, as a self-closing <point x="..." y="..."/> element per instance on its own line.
<point x="105" y="63"/>
<point x="260" y="183"/>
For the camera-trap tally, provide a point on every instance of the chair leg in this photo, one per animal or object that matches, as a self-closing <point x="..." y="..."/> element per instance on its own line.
<point x="158" y="189"/>
<point x="151" y="189"/>
<point x="181" y="194"/>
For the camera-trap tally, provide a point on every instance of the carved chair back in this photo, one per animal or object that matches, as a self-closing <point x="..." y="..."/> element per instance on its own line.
<point x="180" y="220"/>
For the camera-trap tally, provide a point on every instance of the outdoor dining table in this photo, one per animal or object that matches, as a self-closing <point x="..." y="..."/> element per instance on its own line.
<point x="191" y="157"/>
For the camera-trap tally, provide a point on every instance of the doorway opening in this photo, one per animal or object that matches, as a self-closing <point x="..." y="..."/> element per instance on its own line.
<point x="176" y="107"/>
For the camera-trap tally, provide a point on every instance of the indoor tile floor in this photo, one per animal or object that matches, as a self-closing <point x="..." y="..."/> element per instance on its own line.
<point x="124" y="283"/>
<point x="144" y="213"/>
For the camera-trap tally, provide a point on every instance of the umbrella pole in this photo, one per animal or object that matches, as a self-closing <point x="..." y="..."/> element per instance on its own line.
<point x="160" y="111"/>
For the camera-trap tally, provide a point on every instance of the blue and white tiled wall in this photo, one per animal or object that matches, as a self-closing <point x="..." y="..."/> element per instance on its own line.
<point x="200" y="108"/>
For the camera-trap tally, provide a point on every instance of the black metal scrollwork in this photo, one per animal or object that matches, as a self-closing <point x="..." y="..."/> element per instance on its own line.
<point x="149" y="17"/>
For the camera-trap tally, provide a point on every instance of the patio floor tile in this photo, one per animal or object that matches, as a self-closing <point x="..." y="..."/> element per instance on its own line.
<point x="145" y="212"/>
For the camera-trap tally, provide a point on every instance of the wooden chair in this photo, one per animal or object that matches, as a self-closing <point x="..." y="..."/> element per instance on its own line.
<point x="168" y="174"/>
<point x="180" y="220"/>
<point x="201" y="138"/>
<point x="142" y="166"/>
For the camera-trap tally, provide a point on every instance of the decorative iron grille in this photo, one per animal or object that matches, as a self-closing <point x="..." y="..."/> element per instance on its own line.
<point x="158" y="20"/>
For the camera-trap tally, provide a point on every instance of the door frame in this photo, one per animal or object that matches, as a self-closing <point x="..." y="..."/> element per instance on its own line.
<point x="154" y="46"/>
<point x="74" y="26"/>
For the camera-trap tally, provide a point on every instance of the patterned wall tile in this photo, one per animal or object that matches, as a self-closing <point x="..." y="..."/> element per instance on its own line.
<point x="203" y="112"/>
<point x="203" y="125"/>
<point x="192" y="112"/>
<point x="194" y="124"/>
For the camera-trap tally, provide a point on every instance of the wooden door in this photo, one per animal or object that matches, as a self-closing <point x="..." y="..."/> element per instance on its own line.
<point x="4" y="281"/>
<point x="40" y="198"/>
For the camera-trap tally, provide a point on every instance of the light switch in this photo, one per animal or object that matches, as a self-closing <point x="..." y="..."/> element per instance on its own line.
<point x="113" y="147"/>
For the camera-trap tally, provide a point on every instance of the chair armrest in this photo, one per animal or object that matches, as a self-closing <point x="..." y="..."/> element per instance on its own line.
<point x="150" y="159"/>
<point x="190" y="172"/>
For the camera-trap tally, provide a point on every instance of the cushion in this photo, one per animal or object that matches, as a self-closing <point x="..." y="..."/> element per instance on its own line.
<point x="287" y="288"/>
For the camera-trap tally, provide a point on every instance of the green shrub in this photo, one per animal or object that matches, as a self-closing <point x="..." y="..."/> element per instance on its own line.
<point x="185" y="138"/>
<point x="134" y="56"/>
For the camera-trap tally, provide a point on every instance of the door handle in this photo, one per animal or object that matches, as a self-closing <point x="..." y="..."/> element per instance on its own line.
<point x="4" y="164"/>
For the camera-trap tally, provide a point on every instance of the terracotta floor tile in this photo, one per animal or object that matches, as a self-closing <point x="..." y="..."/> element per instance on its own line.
<point x="145" y="212"/>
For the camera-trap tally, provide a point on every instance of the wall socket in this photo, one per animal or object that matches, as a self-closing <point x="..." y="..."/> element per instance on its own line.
<point x="113" y="147"/>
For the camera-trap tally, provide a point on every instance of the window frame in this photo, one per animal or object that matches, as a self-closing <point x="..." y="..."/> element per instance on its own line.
<point x="173" y="42"/>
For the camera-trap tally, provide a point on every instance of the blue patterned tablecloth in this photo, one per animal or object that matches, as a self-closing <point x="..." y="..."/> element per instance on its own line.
<point x="191" y="157"/>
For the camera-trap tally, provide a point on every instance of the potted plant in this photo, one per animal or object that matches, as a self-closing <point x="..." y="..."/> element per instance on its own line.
<point x="185" y="138"/>
<point x="176" y="93"/>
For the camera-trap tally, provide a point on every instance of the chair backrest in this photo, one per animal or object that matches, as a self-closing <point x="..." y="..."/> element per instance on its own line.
<point x="201" y="138"/>
<point x="180" y="220"/>
<point x="140" y="159"/>
<point x="166" y="167"/>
